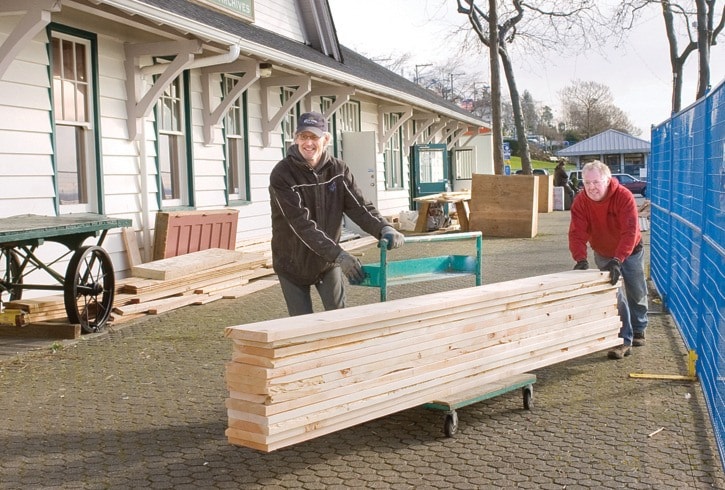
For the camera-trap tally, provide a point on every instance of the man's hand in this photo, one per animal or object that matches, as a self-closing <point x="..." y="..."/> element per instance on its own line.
<point x="582" y="265"/>
<point x="614" y="267"/>
<point x="394" y="237"/>
<point x="351" y="267"/>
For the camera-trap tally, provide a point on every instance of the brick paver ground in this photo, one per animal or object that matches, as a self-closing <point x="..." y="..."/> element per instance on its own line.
<point x="142" y="406"/>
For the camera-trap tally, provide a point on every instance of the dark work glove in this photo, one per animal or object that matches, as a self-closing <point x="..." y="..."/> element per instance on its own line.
<point x="394" y="237"/>
<point x="614" y="267"/>
<point x="582" y="265"/>
<point x="351" y="267"/>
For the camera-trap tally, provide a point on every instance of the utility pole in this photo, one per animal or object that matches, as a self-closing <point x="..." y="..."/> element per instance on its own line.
<point x="417" y="79"/>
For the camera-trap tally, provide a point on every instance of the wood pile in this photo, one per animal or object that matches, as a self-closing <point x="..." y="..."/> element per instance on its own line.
<point x="294" y="379"/>
<point x="163" y="285"/>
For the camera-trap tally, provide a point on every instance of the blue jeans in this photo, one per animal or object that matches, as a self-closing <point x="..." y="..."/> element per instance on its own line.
<point x="632" y="296"/>
<point x="331" y="290"/>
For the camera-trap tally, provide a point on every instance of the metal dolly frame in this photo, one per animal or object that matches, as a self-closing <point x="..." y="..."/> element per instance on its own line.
<point x="388" y="273"/>
<point x="449" y="405"/>
<point x="88" y="283"/>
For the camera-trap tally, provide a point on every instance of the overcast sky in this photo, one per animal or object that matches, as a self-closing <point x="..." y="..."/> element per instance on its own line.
<point x="638" y="74"/>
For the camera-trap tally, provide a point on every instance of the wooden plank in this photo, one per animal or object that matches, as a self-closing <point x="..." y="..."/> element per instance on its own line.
<point x="47" y="329"/>
<point x="249" y="288"/>
<point x="184" y="265"/>
<point x="277" y="400"/>
<point x="330" y="323"/>
<point x="504" y="206"/>
<point x="130" y="242"/>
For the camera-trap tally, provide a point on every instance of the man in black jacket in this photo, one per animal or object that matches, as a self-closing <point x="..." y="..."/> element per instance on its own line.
<point x="309" y="191"/>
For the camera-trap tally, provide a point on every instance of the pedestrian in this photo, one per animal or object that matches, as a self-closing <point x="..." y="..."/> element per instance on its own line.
<point x="561" y="179"/>
<point x="605" y="217"/>
<point x="309" y="192"/>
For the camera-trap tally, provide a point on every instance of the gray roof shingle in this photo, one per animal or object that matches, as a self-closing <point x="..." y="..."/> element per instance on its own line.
<point x="609" y="141"/>
<point x="353" y="63"/>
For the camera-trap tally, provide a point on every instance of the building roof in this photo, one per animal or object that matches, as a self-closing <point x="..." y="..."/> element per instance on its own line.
<point x="610" y="141"/>
<point x="354" y="69"/>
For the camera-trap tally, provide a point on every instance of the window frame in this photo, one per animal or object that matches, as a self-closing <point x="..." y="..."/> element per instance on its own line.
<point x="86" y="133"/>
<point x="393" y="153"/>
<point x="241" y="141"/>
<point x="180" y="153"/>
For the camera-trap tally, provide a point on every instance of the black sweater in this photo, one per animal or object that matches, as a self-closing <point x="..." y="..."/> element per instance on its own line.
<point x="307" y="208"/>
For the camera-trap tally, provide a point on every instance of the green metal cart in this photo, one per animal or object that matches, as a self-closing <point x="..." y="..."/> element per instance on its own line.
<point x="387" y="273"/>
<point x="88" y="283"/>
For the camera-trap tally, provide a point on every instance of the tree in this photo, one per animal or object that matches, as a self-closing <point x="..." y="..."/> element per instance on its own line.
<point x="528" y="109"/>
<point x="551" y="23"/>
<point x="589" y="109"/>
<point x="696" y="22"/>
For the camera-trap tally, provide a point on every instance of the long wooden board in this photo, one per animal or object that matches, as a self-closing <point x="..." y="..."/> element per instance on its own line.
<point x="297" y="378"/>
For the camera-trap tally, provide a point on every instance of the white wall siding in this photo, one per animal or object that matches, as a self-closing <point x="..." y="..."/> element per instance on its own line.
<point x="280" y="17"/>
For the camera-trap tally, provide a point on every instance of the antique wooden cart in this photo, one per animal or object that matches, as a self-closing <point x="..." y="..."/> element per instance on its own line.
<point x="88" y="282"/>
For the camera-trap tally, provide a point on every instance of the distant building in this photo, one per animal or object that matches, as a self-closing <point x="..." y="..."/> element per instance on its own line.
<point x="622" y="152"/>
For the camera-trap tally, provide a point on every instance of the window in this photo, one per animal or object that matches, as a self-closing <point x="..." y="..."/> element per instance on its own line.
<point x="393" y="153"/>
<point x="74" y="115"/>
<point x="289" y="121"/>
<point x="235" y="153"/>
<point x="465" y="163"/>
<point x="345" y="119"/>
<point x="173" y="171"/>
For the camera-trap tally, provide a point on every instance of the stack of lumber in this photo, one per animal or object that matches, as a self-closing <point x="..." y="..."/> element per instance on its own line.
<point x="194" y="278"/>
<point x="162" y="285"/>
<point x="294" y="379"/>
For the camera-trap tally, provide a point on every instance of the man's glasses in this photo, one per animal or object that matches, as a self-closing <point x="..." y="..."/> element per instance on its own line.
<point x="307" y="137"/>
<point x="590" y="183"/>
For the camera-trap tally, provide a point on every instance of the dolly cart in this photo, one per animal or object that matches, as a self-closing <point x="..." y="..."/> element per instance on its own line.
<point x="387" y="273"/>
<point x="451" y="404"/>
<point x="88" y="283"/>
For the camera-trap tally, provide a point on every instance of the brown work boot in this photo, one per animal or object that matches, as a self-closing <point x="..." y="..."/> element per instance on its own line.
<point x="620" y="352"/>
<point x="638" y="340"/>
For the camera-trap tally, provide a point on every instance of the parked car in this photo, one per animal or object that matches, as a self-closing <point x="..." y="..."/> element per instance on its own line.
<point x="634" y="185"/>
<point x="535" y="171"/>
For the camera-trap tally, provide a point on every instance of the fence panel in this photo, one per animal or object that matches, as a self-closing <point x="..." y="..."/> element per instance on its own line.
<point x="687" y="263"/>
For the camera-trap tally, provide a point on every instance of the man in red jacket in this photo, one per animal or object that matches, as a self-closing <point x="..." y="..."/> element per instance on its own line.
<point x="310" y="190"/>
<point x="605" y="217"/>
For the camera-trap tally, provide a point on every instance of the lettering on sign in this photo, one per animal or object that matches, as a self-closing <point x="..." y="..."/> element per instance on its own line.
<point x="244" y="9"/>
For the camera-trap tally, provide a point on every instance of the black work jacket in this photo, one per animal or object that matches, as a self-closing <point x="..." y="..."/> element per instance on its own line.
<point x="307" y="208"/>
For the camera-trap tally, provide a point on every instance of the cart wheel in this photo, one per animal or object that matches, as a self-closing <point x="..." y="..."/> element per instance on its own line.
<point x="89" y="286"/>
<point x="450" y="424"/>
<point x="528" y="398"/>
<point x="12" y="277"/>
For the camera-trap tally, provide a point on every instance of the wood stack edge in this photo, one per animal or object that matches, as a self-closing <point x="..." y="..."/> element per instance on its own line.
<point x="295" y="379"/>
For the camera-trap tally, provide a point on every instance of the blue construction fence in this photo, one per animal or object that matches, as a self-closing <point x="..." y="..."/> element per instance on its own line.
<point x="686" y="186"/>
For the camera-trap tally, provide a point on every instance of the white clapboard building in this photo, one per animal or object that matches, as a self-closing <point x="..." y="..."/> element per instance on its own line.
<point x="129" y="107"/>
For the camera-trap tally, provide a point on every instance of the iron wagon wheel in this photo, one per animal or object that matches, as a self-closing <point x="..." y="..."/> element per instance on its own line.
<point x="11" y="288"/>
<point x="89" y="287"/>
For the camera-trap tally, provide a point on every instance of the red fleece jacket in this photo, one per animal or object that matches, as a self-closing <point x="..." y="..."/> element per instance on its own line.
<point x="610" y="226"/>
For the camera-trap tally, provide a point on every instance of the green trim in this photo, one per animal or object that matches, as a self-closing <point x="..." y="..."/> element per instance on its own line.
<point x="188" y="147"/>
<point x="92" y="38"/>
<point x="189" y="139"/>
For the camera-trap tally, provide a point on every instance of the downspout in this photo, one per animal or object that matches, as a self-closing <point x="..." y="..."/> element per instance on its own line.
<point x="145" y="211"/>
